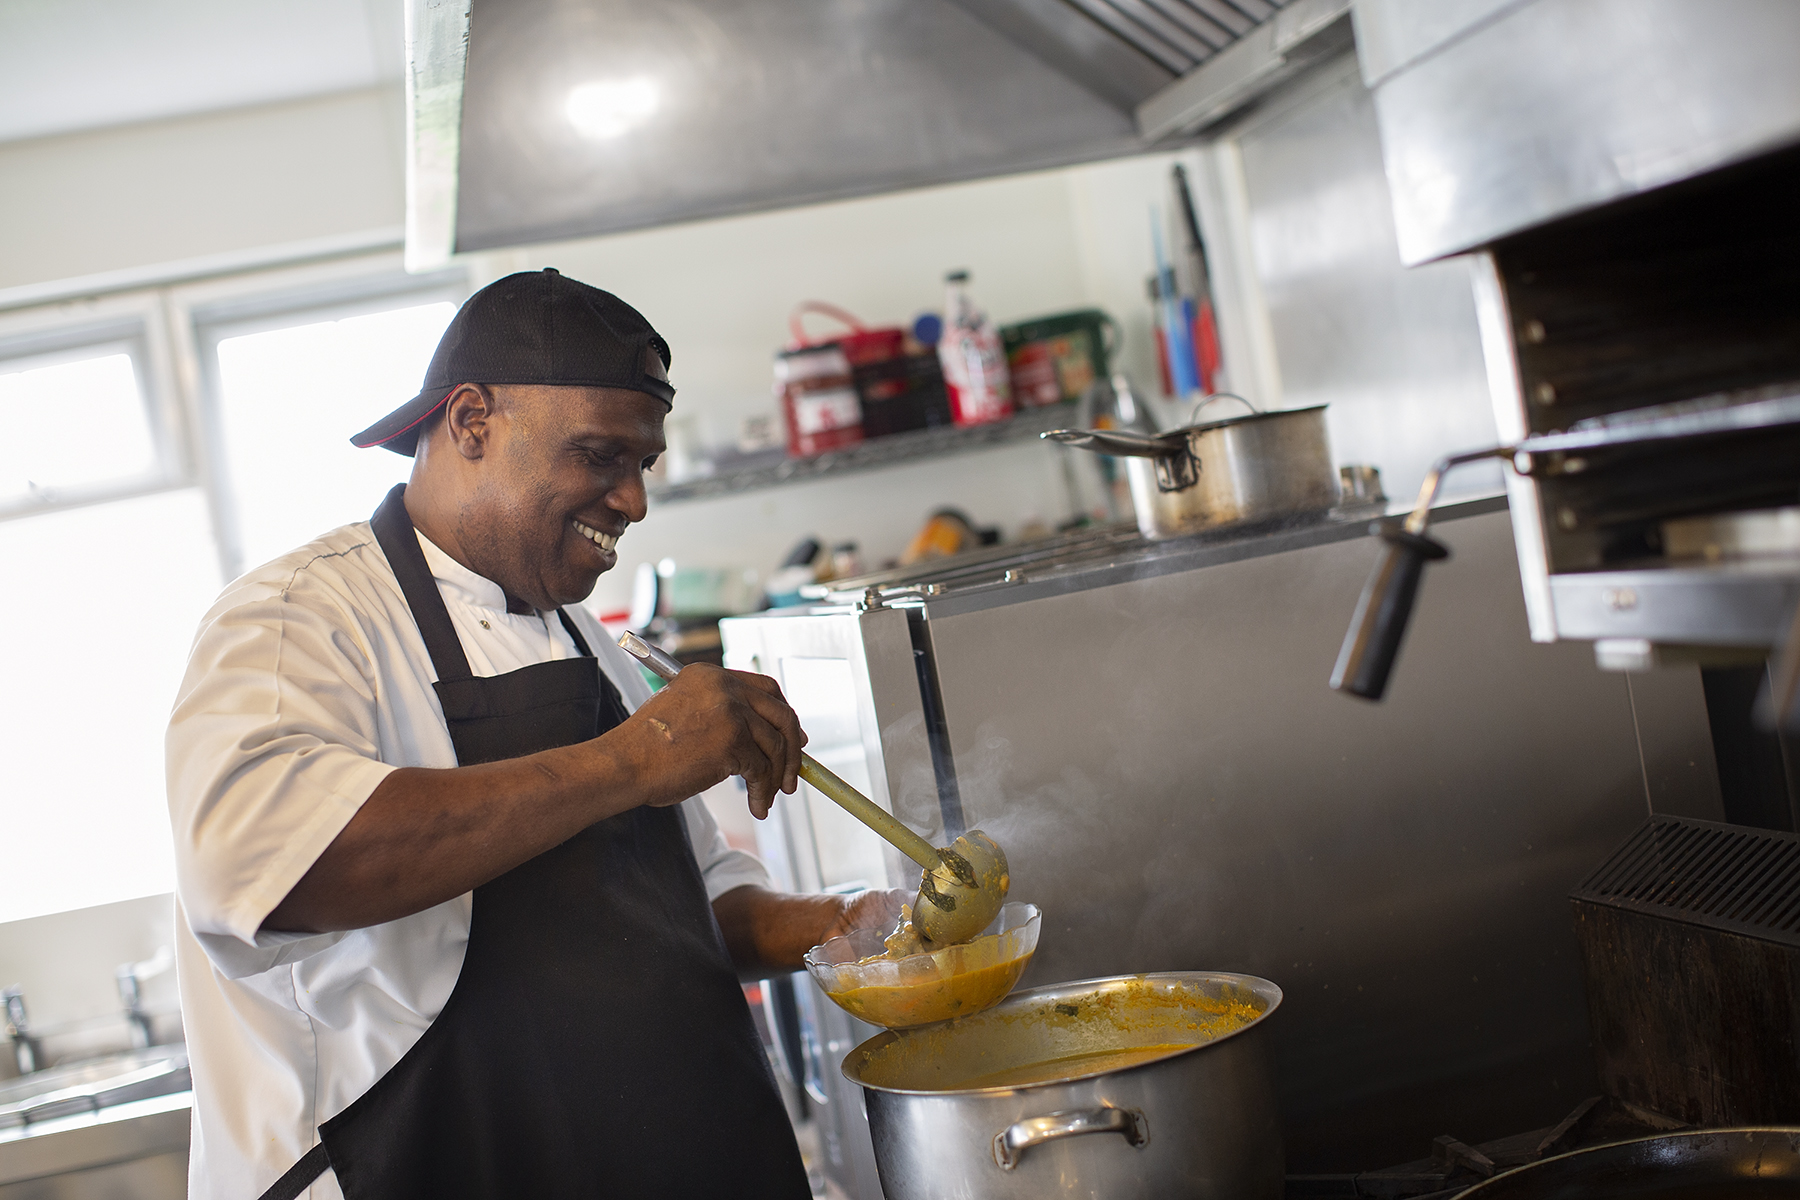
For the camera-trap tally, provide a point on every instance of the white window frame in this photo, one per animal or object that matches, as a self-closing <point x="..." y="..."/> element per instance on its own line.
<point x="172" y="333"/>
<point x="136" y="324"/>
<point x="214" y="310"/>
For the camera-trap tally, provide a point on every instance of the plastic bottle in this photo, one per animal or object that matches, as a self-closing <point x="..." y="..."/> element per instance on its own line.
<point x="974" y="360"/>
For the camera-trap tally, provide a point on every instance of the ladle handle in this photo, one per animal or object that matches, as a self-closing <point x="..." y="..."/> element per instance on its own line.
<point x="869" y="813"/>
<point x="811" y="770"/>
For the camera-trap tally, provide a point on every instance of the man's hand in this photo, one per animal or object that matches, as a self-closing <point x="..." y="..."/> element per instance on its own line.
<point x="877" y="908"/>
<point x="767" y="930"/>
<point x="709" y="724"/>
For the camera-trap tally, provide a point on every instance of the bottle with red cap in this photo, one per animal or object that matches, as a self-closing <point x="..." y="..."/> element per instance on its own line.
<point x="973" y="358"/>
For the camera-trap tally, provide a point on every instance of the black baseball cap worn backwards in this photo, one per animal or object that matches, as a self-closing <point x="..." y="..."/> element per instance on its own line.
<point x="533" y="327"/>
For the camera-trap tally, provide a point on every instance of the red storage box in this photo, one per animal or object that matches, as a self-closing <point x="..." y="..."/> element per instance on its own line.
<point x="817" y="379"/>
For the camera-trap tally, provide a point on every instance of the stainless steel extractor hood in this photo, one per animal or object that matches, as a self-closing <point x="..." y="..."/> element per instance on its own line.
<point x="533" y="120"/>
<point x="1500" y="115"/>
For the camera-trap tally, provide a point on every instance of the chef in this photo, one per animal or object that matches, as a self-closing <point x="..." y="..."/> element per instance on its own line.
<point x="450" y="924"/>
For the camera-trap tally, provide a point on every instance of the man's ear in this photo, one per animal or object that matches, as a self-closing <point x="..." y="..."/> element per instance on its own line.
<point x="468" y="414"/>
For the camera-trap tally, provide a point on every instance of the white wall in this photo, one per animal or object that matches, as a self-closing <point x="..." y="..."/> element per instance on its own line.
<point x="721" y="291"/>
<point x="164" y="191"/>
<point x="173" y="191"/>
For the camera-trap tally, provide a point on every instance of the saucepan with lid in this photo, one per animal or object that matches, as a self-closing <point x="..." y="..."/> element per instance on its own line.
<point x="1136" y="1086"/>
<point x="1253" y="467"/>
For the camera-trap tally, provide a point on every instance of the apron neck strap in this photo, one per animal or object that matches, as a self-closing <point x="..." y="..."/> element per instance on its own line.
<point x="581" y="643"/>
<point x="400" y="542"/>
<point x="398" y="539"/>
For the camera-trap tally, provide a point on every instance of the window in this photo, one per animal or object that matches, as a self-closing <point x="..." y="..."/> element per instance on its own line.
<point x="109" y="560"/>
<point x="76" y="421"/>
<point x="131" y="490"/>
<point x="288" y="400"/>
<point x="100" y="607"/>
<point x="82" y="419"/>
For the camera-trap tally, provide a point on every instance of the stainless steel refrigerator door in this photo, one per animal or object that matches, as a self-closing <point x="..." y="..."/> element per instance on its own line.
<point x="853" y="680"/>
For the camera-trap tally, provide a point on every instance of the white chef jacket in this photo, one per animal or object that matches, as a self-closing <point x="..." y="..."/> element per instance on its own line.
<point x="308" y="682"/>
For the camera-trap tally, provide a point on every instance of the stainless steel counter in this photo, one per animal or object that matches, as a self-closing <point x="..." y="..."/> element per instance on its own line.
<point x="138" y="1149"/>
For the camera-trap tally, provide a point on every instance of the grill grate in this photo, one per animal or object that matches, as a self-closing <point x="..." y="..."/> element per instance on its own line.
<point x="1726" y="877"/>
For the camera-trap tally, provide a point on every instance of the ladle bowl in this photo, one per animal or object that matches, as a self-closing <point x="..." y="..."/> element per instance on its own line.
<point x="960" y="900"/>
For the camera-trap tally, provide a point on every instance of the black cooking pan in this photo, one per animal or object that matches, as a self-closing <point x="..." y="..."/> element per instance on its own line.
<point x="1729" y="1164"/>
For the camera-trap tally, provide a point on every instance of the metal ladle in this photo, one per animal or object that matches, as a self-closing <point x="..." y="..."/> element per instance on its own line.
<point x="963" y="885"/>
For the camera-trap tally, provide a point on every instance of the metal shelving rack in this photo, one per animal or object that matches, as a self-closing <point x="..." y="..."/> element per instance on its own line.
<point x="870" y="455"/>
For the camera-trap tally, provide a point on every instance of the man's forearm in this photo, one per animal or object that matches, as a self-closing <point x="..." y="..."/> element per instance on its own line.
<point x="772" y="931"/>
<point x="425" y="836"/>
<point x="767" y="930"/>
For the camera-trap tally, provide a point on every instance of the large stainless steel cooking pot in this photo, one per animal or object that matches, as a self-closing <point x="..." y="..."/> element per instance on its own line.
<point x="1198" y="1122"/>
<point x="1248" y="468"/>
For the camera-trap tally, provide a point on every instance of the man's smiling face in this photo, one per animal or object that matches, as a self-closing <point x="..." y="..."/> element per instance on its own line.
<point x="557" y="477"/>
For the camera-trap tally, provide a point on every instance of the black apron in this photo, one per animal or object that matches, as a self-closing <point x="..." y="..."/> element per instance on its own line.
<point x="597" y="1042"/>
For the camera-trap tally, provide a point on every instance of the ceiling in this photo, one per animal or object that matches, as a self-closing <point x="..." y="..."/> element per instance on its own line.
<point x="71" y="65"/>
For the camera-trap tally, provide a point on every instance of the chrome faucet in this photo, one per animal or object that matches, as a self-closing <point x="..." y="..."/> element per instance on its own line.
<point x="28" y="1052"/>
<point x="142" y="1033"/>
<point x="130" y="976"/>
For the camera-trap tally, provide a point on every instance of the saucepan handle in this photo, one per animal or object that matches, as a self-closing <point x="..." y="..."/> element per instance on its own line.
<point x="1369" y="650"/>
<point x="1118" y="441"/>
<point x="1011" y="1143"/>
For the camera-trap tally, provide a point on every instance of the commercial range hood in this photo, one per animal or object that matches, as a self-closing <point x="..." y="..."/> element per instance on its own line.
<point x="532" y="120"/>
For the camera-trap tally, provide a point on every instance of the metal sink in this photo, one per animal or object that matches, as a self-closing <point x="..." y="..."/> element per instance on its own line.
<point x="94" y="1084"/>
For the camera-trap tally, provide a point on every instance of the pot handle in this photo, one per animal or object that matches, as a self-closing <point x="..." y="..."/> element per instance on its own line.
<point x="1118" y="441"/>
<point x="1194" y="417"/>
<point x="1176" y="466"/>
<point x="1011" y="1143"/>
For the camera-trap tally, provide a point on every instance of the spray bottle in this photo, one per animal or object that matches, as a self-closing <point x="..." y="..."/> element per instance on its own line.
<point x="973" y="359"/>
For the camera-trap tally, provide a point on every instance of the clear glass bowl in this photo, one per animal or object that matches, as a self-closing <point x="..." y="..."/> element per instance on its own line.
<point x="921" y="988"/>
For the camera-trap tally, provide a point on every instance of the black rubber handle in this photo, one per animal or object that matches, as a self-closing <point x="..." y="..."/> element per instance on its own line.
<point x="1381" y="614"/>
